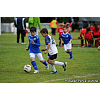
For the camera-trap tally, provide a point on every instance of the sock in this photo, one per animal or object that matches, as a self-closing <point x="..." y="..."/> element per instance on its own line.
<point x="53" y="67"/>
<point x="45" y="63"/>
<point x="99" y="44"/>
<point x="70" y="53"/>
<point x="34" y="65"/>
<point x="58" y="63"/>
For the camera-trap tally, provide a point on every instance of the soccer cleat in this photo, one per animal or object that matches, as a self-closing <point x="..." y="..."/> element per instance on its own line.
<point x="23" y="43"/>
<point x="47" y="67"/>
<point x="54" y="72"/>
<point x="64" y="66"/>
<point x="71" y="57"/>
<point x="36" y="71"/>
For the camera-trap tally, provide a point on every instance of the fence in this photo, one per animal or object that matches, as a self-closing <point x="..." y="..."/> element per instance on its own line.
<point x="8" y="27"/>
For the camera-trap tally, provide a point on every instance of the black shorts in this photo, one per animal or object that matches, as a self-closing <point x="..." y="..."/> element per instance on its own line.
<point x="52" y="57"/>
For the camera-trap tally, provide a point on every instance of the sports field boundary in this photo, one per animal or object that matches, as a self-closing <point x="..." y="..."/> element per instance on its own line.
<point x="80" y="81"/>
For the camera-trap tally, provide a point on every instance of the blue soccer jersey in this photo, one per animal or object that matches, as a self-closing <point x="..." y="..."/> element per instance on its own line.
<point x="66" y="37"/>
<point x="34" y="48"/>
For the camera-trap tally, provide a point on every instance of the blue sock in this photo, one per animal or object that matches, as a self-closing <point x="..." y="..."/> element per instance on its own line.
<point x="34" y="65"/>
<point x="70" y="53"/>
<point x="99" y="44"/>
<point x="45" y="63"/>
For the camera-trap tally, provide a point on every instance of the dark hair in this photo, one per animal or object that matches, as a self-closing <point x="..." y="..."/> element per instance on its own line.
<point x="44" y="30"/>
<point x="33" y="29"/>
<point x="96" y="27"/>
<point x="88" y="29"/>
<point x="65" y="22"/>
<point x="65" y="27"/>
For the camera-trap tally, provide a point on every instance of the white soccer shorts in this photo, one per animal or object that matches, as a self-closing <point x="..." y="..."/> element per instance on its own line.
<point x="67" y="46"/>
<point x="39" y="56"/>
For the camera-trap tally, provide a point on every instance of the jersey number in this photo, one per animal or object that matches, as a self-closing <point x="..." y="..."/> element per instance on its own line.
<point x="53" y="41"/>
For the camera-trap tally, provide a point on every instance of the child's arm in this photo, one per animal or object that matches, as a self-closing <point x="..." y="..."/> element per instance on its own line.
<point x="38" y="42"/>
<point x="47" y="48"/>
<point x="43" y="49"/>
<point x="70" y="41"/>
<point x="62" y="41"/>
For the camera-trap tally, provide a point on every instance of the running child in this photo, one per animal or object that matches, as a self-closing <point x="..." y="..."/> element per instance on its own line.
<point x="34" y="43"/>
<point x="66" y="40"/>
<point x="52" y="51"/>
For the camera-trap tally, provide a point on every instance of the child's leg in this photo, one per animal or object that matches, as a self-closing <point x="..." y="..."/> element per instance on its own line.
<point x="33" y="63"/>
<point x="99" y="42"/>
<point x="67" y="49"/>
<point x="53" y="67"/>
<point x="51" y="61"/>
<point x="39" y="55"/>
<point x="32" y="57"/>
<point x="59" y="41"/>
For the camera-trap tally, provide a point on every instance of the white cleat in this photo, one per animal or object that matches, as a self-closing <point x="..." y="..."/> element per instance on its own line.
<point x="23" y="43"/>
<point x="47" y="67"/>
<point x="36" y="71"/>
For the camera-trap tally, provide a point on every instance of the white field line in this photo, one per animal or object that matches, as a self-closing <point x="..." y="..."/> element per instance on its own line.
<point x="89" y="75"/>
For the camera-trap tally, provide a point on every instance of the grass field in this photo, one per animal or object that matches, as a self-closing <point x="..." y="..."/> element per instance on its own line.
<point x="84" y="68"/>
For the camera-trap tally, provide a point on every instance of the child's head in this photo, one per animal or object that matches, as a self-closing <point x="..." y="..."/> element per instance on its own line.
<point x="65" y="28"/>
<point x="33" y="30"/>
<point x="61" y="25"/>
<point x="65" y="22"/>
<point x="91" y="25"/>
<point x="44" y="32"/>
<point x="88" y="29"/>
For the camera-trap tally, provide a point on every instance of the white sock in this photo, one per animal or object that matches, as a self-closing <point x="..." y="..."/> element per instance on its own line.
<point x="53" y="67"/>
<point x="58" y="63"/>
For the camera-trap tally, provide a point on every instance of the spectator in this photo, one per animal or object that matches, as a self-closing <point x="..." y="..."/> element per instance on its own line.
<point x="71" y="20"/>
<point x="34" y="21"/>
<point x="53" y="25"/>
<point x="80" y="23"/>
<point x="68" y="25"/>
<point x="20" y="24"/>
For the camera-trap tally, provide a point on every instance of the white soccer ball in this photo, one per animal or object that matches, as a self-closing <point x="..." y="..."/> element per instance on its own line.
<point x="27" y="68"/>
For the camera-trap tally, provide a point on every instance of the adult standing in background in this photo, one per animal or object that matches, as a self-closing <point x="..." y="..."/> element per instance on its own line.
<point x="71" y="20"/>
<point x="20" y="24"/>
<point x="34" y="21"/>
<point x="53" y="25"/>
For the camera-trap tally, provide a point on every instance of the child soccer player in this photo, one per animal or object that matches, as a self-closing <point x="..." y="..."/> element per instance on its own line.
<point x="34" y="44"/>
<point x="52" y="49"/>
<point x="60" y="30"/>
<point x="66" y="40"/>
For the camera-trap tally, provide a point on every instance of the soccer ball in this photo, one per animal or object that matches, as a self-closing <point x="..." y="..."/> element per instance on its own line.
<point x="27" y="68"/>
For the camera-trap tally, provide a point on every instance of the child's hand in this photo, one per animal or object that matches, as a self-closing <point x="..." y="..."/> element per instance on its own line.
<point x="69" y="42"/>
<point x="62" y="43"/>
<point x="45" y="52"/>
<point x="32" y="42"/>
<point x="27" y="49"/>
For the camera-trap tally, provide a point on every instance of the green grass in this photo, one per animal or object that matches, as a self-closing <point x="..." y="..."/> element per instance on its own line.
<point x="13" y="57"/>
